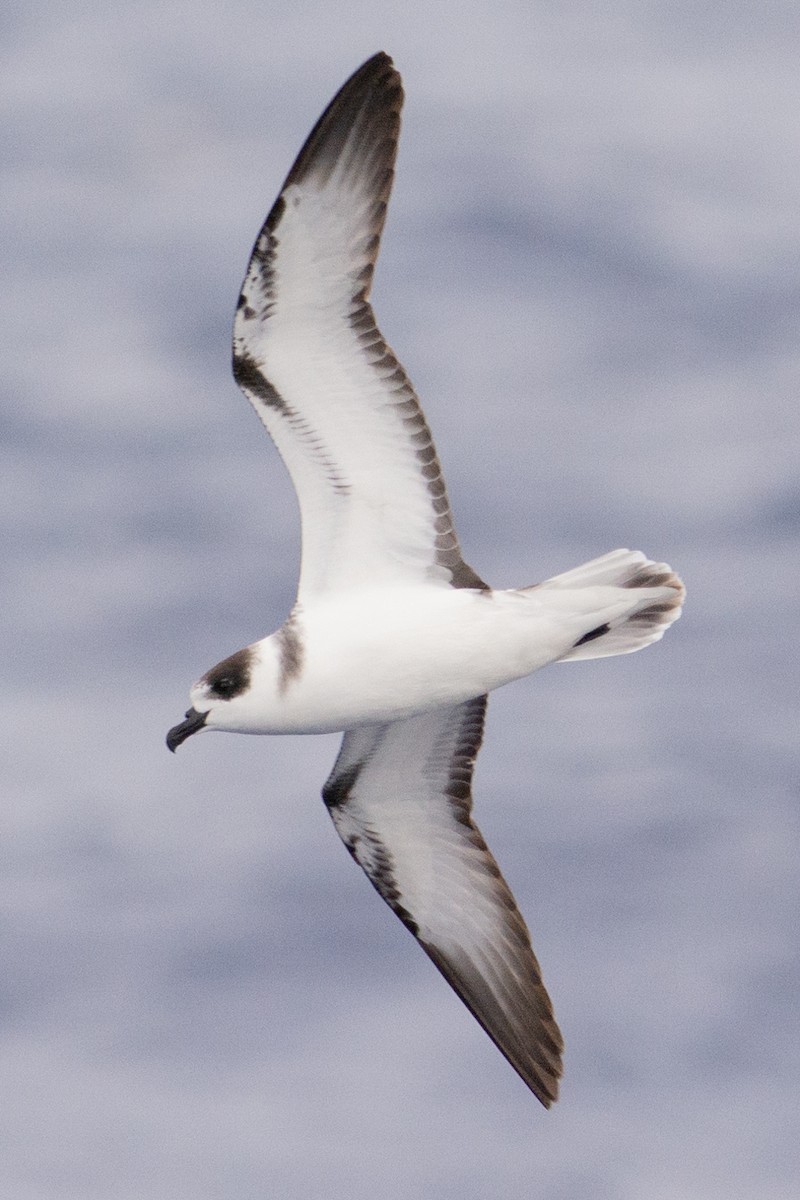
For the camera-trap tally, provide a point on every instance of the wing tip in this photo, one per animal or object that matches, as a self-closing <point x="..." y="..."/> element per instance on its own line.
<point x="542" y="1068"/>
<point x="365" y="108"/>
<point x="525" y="1032"/>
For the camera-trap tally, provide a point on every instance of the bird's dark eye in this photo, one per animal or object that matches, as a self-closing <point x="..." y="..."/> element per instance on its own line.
<point x="225" y="687"/>
<point x="230" y="677"/>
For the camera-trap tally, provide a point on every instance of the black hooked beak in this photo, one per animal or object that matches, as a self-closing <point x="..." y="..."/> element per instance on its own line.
<point x="179" y="733"/>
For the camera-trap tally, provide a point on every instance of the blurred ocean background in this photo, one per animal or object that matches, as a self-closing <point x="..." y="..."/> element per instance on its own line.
<point x="591" y="271"/>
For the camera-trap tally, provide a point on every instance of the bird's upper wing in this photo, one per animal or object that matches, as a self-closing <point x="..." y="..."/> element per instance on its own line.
<point x="400" y="798"/>
<point x="309" y="356"/>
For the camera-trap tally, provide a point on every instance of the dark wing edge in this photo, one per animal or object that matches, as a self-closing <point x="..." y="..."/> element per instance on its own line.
<point x="361" y="128"/>
<point x="526" y="1033"/>
<point x="356" y="137"/>
<point x="489" y="961"/>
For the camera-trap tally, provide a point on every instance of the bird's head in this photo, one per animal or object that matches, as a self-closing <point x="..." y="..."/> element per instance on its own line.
<point x="220" y="699"/>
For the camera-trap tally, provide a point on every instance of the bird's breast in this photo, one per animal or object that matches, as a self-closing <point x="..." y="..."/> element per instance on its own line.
<point x="384" y="657"/>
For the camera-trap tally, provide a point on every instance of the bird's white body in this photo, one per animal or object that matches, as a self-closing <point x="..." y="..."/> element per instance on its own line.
<point x="384" y="654"/>
<point x="394" y="639"/>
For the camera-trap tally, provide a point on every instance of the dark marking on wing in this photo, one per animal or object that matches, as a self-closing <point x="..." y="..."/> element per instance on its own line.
<point x="357" y="136"/>
<point x="463" y="576"/>
<point x="365" y="111"/>
<point x="539" y="1065"/>
<point x="275" y="214"/>
<point x="492" y="968"/>
<point x="365" y="846"/>
<point x="372" y="855"/>
<point x="338" y="787"/>
<point x="247" y="311"/>
<point x="252" y="380"/>
<point x="255" y="384"/>
<point x="394" y="378"/>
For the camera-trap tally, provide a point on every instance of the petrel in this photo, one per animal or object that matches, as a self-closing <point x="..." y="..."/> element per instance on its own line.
<point x="393" y="639"/>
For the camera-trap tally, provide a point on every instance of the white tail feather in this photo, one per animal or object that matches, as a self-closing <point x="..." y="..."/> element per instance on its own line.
<point x="656" y="603"/>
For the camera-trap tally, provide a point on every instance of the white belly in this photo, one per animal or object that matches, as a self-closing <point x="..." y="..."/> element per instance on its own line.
<point x="386" y="656"/>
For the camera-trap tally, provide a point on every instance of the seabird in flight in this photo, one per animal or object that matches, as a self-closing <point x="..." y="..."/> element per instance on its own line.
<point x="394" y="640"/>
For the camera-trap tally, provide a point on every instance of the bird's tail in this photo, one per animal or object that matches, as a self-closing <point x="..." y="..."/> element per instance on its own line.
<point x="625" y="622"/>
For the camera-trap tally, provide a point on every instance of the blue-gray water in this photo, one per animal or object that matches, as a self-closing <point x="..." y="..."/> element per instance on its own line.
<point x="591" y="273"/>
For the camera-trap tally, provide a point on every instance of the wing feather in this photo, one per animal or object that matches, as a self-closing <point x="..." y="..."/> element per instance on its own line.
<point x="309" y="356"/>
<point x="400" y="798"/>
